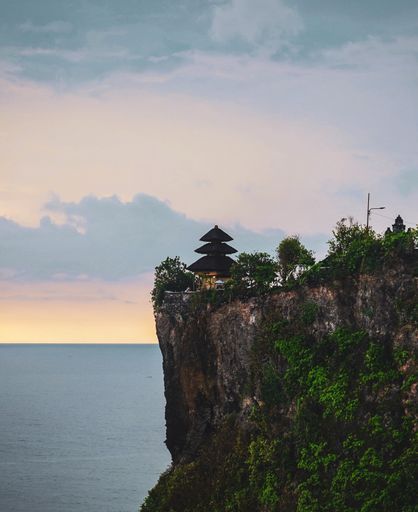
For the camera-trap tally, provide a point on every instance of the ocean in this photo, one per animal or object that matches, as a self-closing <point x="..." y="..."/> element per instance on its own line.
<point x="81" y="427"/>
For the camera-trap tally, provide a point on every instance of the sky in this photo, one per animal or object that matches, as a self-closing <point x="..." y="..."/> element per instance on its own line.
<point x="129" y="128"/>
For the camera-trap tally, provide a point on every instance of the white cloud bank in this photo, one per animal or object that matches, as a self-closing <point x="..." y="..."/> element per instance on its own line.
<point x="107" y="239"/>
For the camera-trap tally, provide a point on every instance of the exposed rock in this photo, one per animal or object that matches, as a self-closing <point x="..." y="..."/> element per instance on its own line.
<point x="207" y="350"/>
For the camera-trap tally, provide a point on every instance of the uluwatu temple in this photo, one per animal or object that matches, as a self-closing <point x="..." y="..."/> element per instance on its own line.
<point x="214" y="269"/>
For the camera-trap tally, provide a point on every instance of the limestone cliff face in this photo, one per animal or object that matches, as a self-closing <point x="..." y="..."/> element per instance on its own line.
<point x="206" y="361"/>
<point x="207" y="350"/>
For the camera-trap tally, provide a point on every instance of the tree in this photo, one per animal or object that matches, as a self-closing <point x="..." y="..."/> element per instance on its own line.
<point x="253" y="273"/>
<point x="353" y="248"/>
<point x="346" y="233"/>
<point x="293" y="258"/>
<point x="170" y="275"/>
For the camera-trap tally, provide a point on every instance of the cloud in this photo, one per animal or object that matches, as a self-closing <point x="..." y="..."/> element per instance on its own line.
<point x="119" y="240"/>
<point x="211" y="159"/>
<point x="68" y="55"/>
<point x="266" y="23"/>
<point x="374" y="53"/>
<point x="85" y="55"/>
<point x="270" y="141"/>
<point x="55" y="27"/>
<point x="126" y="36"/>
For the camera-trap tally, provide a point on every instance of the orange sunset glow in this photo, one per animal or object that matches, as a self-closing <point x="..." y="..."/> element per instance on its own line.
<point x="71" y="312"/>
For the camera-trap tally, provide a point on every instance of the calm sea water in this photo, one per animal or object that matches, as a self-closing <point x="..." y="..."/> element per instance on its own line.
<point x="81" y="427"/>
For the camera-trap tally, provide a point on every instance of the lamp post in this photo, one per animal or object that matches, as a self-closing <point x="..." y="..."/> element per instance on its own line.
<point x="370" y="209"/>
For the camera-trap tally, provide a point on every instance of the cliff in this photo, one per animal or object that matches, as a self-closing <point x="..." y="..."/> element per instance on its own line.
<point x="298" y="400"/>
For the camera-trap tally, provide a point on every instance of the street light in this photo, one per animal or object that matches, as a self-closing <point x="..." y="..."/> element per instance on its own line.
<point x="370" y="209"/>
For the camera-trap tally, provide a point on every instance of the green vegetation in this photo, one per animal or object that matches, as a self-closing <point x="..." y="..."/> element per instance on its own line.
<point x="332" y="425"/>
<point x="252" y="274"/>
<point x="170" y="275"/>
<point x="257" y="273"/>
<point x="330" y="433"/>
<point x="293" y="259"/>
<point x="351" y="440"/>
<point x="353" y="249"/>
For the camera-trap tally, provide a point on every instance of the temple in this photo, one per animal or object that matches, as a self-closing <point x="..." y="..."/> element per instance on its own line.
<point x="397" y="227"/>
<point x="213" y="269"/>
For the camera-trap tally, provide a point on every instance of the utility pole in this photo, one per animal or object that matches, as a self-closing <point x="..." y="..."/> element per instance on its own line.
<point x="370" y="209"/>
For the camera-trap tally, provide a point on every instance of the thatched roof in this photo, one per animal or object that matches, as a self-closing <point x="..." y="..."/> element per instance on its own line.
<point x="216" y="248"/>
<point x="216" y="235"/>
<point x="218" y="263"/>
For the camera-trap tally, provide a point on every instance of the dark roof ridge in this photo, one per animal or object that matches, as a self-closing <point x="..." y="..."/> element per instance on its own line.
<point x="216" y="248"/>
<point x="212" y="263"/>
<point x="216" y="235"/>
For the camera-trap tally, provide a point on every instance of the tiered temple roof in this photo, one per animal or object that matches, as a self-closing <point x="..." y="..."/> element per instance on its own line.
<point x="216" y="248"/>
<point x="216" y="235"/>
<point x="216" y="262"/>
<point x="397" y="227"/>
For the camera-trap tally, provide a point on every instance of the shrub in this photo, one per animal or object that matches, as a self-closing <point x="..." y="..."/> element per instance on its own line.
<point x="293" y="258"/>
<point x="252" y="274"/>
<point x="353" y="248"/>
<point x="170" y="275"/>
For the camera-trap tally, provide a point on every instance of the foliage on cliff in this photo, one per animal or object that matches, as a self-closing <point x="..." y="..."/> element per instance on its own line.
<point x="252" y="274"/>
<point x="331" y="417"/>
<point x="334" y="431"/>
<point x="293" y="259"/>
<point x="170" y="275"/>
<point x="354" y="249"/>
<point x="348" y="441"/>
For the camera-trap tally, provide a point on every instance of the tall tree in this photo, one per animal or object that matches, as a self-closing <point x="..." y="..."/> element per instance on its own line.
<point x="253" y="273"/>
<point x="293" y="258"/>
